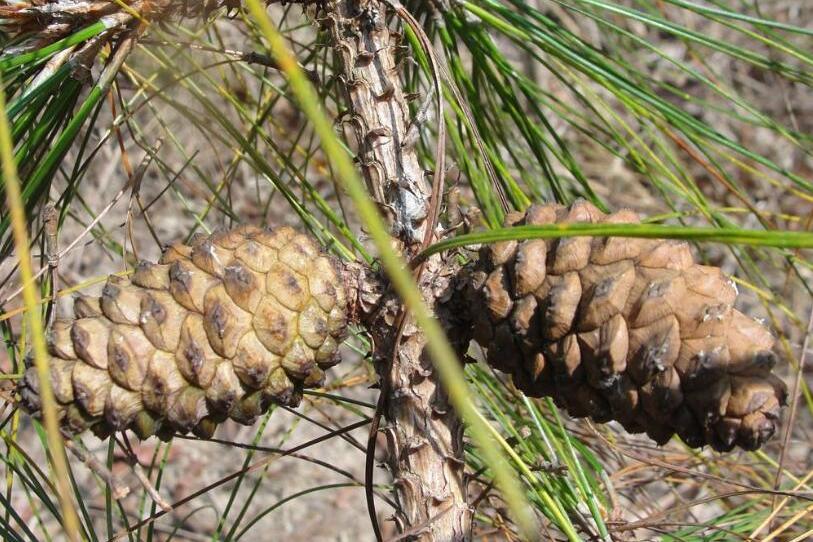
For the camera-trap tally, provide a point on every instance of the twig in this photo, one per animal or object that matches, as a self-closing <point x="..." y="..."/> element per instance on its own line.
<point x="135" y="192"/>
<point x="119" y="489"/>
<point x="145" y="482"/>
<point x="50" y="218"/>
<point x="417" y="529"/>
<point x="794" y="401"/>
<point x="483" y="494"/>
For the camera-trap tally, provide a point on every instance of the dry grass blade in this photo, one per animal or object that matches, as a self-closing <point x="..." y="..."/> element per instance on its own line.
<point x="18" y="221"/>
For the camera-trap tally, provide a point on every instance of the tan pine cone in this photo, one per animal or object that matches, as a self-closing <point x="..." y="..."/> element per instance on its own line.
<point x="221" y="328"/>
<point x="626" y="329"/>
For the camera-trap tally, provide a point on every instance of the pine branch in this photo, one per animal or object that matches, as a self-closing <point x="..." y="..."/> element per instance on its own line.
<point x="424" y="434"/>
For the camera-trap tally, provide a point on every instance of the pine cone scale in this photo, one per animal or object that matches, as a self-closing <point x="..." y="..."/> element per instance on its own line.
<point x="625" y="329"/>
<point x="616" y="329"/>
<point x="220" y="328"/>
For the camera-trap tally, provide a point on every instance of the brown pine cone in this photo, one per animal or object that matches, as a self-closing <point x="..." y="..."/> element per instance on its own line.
<point x="626" y="329"/>
<point x="218" y="329"/>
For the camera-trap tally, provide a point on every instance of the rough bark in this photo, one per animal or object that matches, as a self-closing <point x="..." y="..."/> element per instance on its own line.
<point x="424" y="434"/>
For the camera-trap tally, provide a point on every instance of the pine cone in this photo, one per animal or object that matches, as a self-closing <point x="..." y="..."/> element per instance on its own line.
<point x="626" y="329"/>
<point x="218" y="329"/>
